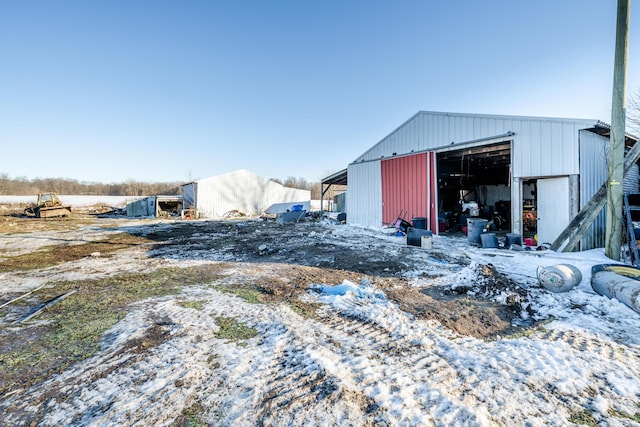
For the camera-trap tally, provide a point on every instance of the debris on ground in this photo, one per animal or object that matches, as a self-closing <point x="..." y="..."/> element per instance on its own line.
<point x="250" y="322"/>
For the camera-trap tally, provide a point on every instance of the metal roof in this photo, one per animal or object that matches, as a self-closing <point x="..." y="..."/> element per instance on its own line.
<point x="604" y="129"/>
<point x="338" y="178"/>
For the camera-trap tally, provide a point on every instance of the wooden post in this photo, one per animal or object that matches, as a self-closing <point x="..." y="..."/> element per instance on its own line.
<point x="613" y="237"/>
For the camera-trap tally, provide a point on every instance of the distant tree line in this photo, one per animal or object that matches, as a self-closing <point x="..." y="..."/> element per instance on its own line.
<point x="27" y="187"/>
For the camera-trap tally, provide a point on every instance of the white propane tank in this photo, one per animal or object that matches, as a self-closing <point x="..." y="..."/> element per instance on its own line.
<point x="559" y="278"/>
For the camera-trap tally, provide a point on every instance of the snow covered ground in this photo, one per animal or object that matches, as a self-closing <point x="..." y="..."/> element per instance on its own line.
<point x="360" y="360"/>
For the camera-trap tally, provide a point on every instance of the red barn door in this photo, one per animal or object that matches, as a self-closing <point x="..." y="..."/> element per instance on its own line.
<point x="408" y="186"/>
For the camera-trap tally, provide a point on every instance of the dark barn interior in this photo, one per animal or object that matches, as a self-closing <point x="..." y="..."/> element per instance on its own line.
<point x="470" y="176"/>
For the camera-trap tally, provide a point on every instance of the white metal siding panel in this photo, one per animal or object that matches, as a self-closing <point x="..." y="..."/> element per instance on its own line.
<point x="552" y="149"/>
<point x="523" y="152"/>
<point x="545" y="147"/>
<point x="571" y="151"/>
<point x="593" y="173"/>
<point x="243" y="191"/>
<point x="364" y="194"/>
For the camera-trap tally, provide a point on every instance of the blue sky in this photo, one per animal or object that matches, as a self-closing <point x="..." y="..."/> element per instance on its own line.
<point x="109" y="91"/>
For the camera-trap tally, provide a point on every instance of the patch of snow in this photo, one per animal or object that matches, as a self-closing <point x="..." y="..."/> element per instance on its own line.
<point x="362" y="361"/>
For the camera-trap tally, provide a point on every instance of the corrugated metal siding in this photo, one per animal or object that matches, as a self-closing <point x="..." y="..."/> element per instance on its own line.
<point x="243" y="191"/>
<point x="593" y="173"/>
<point x="404" y="187"/>
<point x="364" y="194"/>
<point x="630" y="184"/>
<point x="535" y="138"/>
<point x="340" y="202"/>
<point x="546" y="148"/>
<point x="189" y="194"/>
<point x="142" y="207"/>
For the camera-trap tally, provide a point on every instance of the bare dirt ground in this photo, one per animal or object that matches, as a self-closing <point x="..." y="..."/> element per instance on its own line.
<point x="309" y="253"/>
<point x="162" y="326"/>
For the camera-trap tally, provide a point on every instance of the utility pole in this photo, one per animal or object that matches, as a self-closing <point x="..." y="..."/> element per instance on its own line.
<point x="613" y="239"/>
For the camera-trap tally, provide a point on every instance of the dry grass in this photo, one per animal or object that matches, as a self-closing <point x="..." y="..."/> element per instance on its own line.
<point x="13" y="224"/>
<point x="74" y="326"/>
<point x="190" y="416"/>
<point x="264" y="295"/>
<point x="58" y="254"/>
<point x="232" y="330"/>
<point x="583" y="418"/>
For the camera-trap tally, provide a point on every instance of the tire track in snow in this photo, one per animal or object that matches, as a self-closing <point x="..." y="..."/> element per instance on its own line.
<point x="358" y="362"/>
<point x="279" y="381"/>
<point x="403" y="372"/>
<point x="354" y="356"/>
<point x="582" y="343"/>
<point x="481" y="375"/>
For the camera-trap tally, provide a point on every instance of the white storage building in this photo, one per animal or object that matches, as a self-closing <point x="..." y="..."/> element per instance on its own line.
<point x="241" y="191"/>
<point x="536" y="172"/>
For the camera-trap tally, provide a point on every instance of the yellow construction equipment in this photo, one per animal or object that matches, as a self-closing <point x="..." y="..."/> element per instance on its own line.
<point x="48" y="206"/>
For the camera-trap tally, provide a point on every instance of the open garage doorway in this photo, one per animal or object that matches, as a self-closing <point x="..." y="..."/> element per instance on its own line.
<point x="474" y="182"/>
<point x="546" y="208"/>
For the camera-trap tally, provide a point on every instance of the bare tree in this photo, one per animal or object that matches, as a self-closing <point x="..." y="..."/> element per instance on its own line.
<point x="633" y="112"/>
<point x="24" y="187"/>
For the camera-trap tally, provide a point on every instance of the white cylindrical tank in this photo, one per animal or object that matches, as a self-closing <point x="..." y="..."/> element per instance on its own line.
<point x="559" y="278"/>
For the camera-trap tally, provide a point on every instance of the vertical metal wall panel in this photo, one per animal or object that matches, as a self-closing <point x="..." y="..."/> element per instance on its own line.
<point x="404" y="187"/>
<point x="631" y="179"/>
<point x="141" y="207"/>
<point x="153" y="206"/>
<point x="593" y="173"/>
<point x="364" y="194"/>
<point x="546" y="147"/>
<point x="243" y="191"/>
<point x="189" y="194"/>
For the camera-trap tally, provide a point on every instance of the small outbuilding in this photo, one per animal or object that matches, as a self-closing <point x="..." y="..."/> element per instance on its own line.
<point x="528" y="175"/>
<point x="333" y="190"/>
<point x="155" y="206"/>
<point x="240" y="192"/>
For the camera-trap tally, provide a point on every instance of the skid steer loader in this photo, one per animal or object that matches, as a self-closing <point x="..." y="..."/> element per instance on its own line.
<point x="48" y="206"/>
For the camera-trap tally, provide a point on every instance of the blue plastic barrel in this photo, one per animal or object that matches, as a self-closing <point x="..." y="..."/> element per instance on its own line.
<point x="420" y="223"/>
<point x="475" y="228"/>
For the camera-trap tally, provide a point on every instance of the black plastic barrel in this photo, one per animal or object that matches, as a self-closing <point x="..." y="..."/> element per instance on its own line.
<point x="512" y="239"/>
<point x="420" y="223"/>
<point x="414" y="236"/>
<point x="489" y="240"/>
<point x="475" y="228"/>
